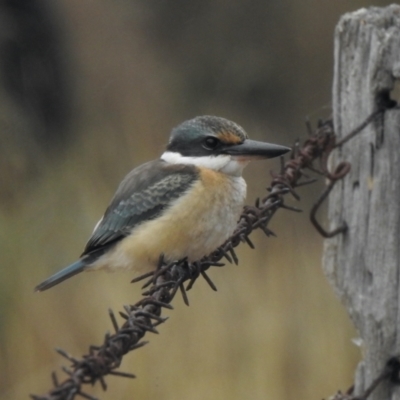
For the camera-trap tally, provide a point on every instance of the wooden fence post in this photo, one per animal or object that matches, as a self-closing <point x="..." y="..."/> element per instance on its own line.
<point x="363" y="265"/>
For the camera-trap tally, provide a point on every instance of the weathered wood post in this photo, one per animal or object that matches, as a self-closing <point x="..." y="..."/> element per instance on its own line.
<point x="363" y="264"/>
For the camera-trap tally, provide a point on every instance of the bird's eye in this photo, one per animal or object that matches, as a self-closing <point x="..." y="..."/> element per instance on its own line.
<point x="210" y="142"/>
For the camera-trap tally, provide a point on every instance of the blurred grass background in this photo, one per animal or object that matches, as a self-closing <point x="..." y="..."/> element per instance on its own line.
<point x="91" y="89"/>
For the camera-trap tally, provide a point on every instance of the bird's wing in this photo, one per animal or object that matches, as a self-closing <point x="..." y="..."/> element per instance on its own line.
<point x="143" y="195"/>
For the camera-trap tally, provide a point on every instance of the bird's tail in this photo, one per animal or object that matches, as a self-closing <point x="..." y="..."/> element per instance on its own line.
<point x="60" y="276"/>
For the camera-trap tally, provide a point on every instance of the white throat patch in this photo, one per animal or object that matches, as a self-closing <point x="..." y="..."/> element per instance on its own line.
<point x="223" y="162"/>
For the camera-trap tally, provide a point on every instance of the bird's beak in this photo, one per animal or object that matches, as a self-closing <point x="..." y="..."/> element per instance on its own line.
<point x="253" y="150"/>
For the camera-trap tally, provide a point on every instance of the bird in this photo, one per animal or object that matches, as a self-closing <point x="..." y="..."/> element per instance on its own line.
<point x="183" y="205"/>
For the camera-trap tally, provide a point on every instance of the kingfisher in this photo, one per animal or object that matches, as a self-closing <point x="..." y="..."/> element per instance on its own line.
<point x="183" y="205"/>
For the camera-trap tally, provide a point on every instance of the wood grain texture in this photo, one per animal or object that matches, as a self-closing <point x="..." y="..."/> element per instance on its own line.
<point x="363" y="265"/>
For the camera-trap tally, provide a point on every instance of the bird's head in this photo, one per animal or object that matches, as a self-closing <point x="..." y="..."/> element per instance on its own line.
<point x="218" y="144"/>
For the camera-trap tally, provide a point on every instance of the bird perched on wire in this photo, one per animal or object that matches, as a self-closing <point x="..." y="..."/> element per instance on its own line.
<point x="183" y="205"/>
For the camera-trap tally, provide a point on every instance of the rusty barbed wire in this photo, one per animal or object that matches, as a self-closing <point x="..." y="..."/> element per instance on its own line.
<point x="390" y="372"/>
<point x="162" y="285"/>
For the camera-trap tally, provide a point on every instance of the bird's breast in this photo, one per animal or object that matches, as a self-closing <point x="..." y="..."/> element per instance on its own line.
<point x="192" y="226"/>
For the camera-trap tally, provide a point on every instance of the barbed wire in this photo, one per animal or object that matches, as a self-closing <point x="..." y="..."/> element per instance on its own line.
<point x="390" y="372"/>
<point x="161" y="286"/>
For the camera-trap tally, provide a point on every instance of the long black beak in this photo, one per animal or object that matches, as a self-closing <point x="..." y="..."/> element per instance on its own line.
<point x="252" y="149"/>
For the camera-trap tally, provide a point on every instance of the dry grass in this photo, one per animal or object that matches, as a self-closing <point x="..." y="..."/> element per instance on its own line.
<point x="274" y="329"/>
